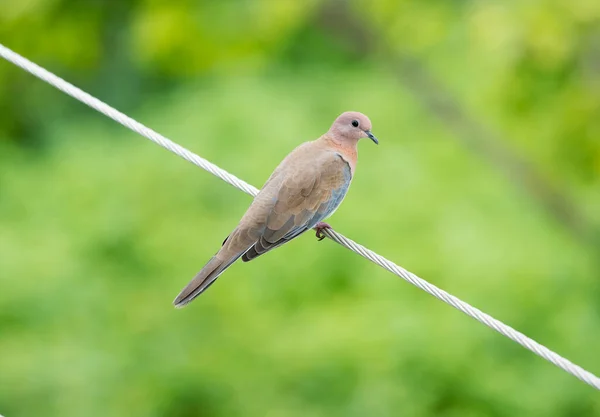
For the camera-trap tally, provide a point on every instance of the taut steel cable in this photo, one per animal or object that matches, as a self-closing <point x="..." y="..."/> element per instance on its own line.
<point x="157" y="138"/>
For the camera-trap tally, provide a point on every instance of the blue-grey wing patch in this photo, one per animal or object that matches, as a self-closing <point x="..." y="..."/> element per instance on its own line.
<point x="299" y="223"/>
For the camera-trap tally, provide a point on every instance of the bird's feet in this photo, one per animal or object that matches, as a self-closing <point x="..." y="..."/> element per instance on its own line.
<point x="319" y="227"/>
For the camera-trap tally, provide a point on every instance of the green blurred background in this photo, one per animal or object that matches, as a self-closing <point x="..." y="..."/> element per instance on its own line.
<point x="486" y="183"/>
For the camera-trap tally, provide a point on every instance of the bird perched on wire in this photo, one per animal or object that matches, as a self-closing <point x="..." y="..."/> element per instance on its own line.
<point x="305" y="189"/>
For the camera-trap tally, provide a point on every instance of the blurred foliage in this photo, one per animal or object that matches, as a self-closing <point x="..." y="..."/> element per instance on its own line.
<point x="99" y="229"/>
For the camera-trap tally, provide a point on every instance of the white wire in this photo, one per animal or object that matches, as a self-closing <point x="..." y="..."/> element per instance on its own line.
<point x="137" y="127"/>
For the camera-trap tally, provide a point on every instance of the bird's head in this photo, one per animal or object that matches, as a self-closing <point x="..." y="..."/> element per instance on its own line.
<point x="352" y="126"/>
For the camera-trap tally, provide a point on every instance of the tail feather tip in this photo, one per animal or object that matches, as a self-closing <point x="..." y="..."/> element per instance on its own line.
<point x="179" y="303"/>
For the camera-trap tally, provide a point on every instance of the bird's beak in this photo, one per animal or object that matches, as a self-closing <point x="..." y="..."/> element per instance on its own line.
<point x="372" y="137"/>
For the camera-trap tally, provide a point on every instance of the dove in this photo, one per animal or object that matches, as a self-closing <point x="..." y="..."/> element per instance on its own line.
<point x="305" y="189"/>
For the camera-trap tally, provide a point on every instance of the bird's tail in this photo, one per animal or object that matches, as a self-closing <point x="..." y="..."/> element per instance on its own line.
<point x="204" y="279"/>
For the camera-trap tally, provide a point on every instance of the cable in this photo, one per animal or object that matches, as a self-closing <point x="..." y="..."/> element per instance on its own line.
<point x="455" y="302"/>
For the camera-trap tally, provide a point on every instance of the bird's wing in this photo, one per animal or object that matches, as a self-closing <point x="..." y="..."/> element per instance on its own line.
<point x="308" y="194"/>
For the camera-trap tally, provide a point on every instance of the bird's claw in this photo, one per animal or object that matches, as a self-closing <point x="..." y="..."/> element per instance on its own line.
<point x="319" y="227"/>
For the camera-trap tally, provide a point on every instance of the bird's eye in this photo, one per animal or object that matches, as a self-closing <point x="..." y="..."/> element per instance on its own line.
<point x="355" y="123"/>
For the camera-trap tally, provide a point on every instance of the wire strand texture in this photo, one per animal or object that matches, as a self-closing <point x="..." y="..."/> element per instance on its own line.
<point x="440" y="294"/>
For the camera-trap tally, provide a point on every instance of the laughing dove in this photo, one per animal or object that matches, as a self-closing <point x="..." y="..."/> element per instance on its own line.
<point x="305" y="189"/>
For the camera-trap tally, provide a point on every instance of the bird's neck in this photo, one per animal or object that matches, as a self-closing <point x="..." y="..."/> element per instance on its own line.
<point x="348" y="150"/>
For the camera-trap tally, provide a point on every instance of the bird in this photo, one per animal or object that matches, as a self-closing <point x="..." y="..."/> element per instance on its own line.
<point x="305" y="189"/>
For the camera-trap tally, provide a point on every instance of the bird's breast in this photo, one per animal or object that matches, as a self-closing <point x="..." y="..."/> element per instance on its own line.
<point x="339" y="192"/>
<point x="349" y="154"/>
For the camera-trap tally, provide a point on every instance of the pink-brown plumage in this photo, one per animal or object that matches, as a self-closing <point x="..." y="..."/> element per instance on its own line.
<point x="306" y="187"/>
